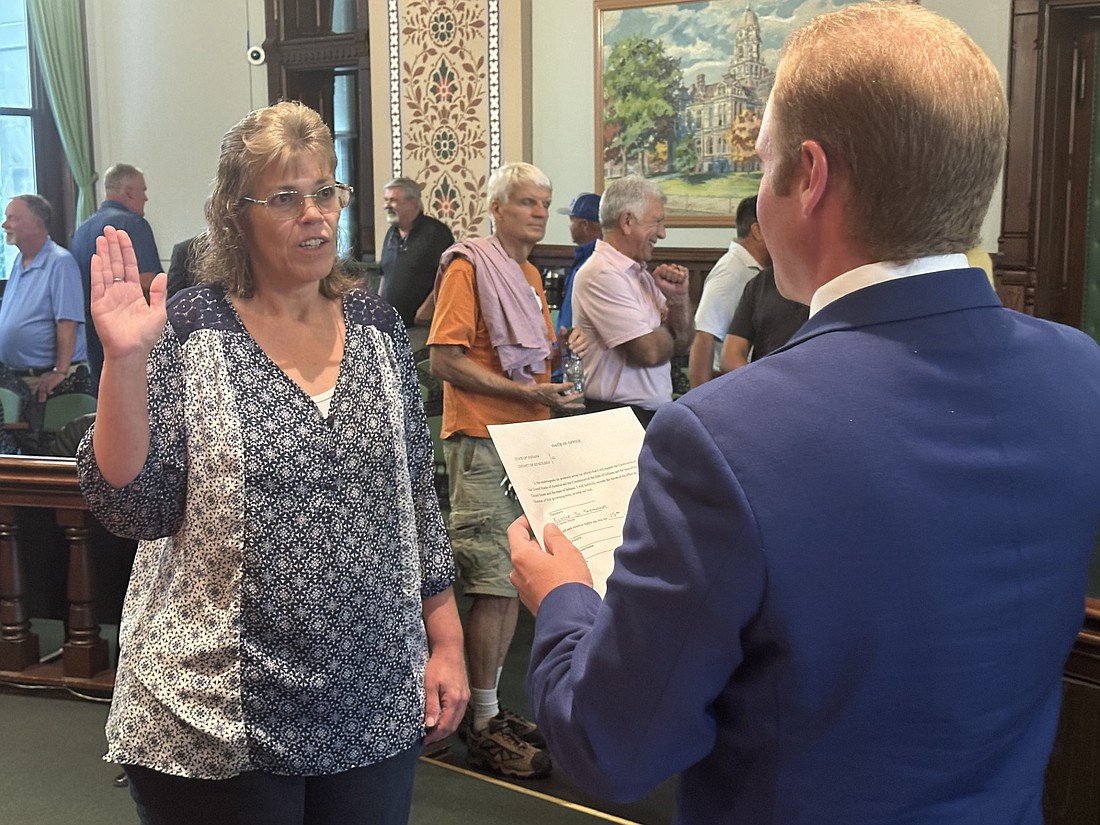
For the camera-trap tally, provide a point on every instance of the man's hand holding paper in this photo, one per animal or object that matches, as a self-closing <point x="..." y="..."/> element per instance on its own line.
<point x="535" y="573"/>
<point x="578" y="474"/>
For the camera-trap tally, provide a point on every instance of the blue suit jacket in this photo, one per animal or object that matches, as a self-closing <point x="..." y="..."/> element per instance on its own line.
<point x="850" y="576"/>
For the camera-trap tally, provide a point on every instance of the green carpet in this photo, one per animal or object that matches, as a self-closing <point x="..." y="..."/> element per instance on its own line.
<point x="51" y="767"/>
<point x="51" y="772"/>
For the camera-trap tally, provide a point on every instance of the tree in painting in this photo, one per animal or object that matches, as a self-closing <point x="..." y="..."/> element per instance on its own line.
<point x="741" y="140"/>
<point x="641" y="87"/>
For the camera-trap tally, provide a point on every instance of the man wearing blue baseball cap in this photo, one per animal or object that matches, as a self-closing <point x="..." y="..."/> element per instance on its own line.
<point x="584" y="227"/>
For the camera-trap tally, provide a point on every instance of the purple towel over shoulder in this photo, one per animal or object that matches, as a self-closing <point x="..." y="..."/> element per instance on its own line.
<point x="510" y="306"/>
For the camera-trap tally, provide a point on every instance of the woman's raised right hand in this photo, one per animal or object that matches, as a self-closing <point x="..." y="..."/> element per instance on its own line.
<point x="127" y="324"/>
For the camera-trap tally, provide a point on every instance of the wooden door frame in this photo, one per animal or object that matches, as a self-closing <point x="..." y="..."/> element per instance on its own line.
<point x="350" y="52"/>
<point x="1023" y="279"/>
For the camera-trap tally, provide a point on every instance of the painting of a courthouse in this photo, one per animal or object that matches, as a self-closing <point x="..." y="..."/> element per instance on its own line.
<point x="723" y="117"/>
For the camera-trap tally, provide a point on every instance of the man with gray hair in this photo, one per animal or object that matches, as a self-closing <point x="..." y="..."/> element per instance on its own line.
<point x="123" y="208"/>
<point x="410" y="253"/>
<point x="41" y="318"/>
<point x="492" y="343"/>
<point x="634" y="320"/>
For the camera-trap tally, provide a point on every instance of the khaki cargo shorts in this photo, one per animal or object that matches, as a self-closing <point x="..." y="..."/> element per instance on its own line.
<point x="480" y="516"/>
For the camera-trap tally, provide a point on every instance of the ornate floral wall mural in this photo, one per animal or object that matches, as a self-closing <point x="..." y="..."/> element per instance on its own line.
<point x="444" y="67"/>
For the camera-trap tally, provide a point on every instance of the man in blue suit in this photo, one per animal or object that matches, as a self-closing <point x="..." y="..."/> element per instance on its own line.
<point x="852" y="571"/>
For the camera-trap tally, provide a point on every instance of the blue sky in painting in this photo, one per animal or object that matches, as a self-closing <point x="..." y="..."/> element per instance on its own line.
<point x="700" y="33"/>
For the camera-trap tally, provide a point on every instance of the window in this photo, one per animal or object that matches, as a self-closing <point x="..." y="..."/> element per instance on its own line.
<point x="31" y="156"/>
<point x="316" y="18"/>
<point x="345" y="135"/>
<point x="17" y="173"/>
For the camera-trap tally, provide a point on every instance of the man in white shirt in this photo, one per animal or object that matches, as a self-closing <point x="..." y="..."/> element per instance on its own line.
<point x="722" y="289"/>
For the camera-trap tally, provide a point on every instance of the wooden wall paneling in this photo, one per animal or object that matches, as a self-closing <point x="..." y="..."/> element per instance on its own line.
<point x="1058" y="255"/>
<point x="1015" y="270"/>
<point x="1071" y="795"/>
<point x="1036" y="271"/>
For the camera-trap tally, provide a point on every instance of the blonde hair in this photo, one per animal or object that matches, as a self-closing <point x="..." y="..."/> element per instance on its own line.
<point x="910" y="113"/>
<point x="505" y="180"/>
<point x="278" y="136"/>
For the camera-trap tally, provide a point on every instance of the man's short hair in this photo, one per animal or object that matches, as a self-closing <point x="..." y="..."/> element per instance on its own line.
<point x="745" y="217"/>
<point x="505" y="180"/>
<point x="407" y="186"/>
<point x="630" y="194"/>
<point x="39" y="207"/>
<point x="116" y="178"/>
<point x="912" y="118"/>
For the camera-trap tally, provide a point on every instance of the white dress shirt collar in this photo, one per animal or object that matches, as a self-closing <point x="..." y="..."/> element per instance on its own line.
<point x="880" y="272"/>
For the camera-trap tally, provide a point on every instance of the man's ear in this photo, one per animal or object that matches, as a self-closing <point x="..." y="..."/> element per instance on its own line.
<point x="812" y="176"/>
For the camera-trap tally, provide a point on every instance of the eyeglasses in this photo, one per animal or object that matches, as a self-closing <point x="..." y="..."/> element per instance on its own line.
<point x="290" y="204"/>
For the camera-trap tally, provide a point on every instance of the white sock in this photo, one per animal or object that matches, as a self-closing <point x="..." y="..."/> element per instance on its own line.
<point x="485" y="704"/>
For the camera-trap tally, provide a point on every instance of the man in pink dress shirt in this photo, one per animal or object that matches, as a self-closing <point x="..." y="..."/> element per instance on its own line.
<point x="635" y="320"/>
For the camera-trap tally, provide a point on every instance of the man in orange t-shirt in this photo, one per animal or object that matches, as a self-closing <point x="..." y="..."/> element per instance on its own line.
<point x="492" y="343"/>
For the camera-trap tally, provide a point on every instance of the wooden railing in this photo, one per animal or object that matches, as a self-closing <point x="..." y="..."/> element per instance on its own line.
<point x="50" y="484"/>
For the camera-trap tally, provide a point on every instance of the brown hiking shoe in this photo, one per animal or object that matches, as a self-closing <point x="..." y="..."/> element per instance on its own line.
<point x="525" y="729"/>
<point x="499" y="750"/>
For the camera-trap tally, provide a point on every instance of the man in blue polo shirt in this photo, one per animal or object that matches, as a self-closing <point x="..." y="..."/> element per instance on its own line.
<point x="124" y="208"/>
<point x="42" y="313"/>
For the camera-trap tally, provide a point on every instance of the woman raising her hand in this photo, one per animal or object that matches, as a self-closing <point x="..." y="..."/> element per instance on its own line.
<point x="290" y="636"/>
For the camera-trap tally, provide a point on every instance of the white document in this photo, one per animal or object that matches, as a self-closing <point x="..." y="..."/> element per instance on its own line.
<point x="576" y="472"/>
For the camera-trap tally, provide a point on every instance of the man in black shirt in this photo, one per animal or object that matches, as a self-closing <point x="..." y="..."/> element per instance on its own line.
<point x="763" y="321"/>
<point x="410" y="254"/>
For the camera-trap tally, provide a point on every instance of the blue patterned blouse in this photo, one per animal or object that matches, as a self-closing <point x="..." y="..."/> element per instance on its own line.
<point x="274" y="616"/>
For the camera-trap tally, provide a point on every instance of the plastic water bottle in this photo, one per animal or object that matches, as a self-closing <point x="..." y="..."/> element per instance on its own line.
<point x="574" y="371"/>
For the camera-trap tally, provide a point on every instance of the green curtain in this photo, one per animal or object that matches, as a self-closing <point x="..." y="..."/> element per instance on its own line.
<point x="58" y="33"/>
<point x="1091" y="309"/>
